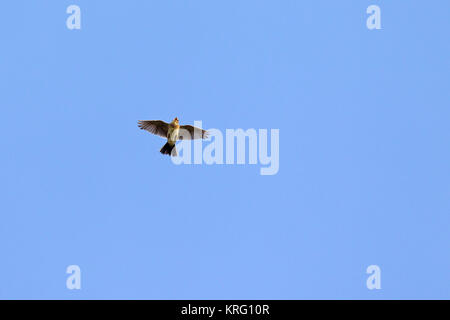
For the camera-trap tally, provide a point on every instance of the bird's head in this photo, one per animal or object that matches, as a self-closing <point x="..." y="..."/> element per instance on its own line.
<point x="175" y="120"/>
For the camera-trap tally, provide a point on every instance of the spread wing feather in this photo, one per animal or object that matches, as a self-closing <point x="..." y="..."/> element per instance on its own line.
<point x="193" y="133"/>
<point x="158" y="127"/>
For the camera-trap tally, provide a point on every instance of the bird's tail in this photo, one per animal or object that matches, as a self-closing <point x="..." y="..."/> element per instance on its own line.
<point x="169" y="149"/>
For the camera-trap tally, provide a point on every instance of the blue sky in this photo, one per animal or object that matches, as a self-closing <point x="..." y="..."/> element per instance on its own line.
<point x="364" y="150"/>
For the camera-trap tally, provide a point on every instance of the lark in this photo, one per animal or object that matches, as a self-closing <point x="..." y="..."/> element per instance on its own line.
<point x="172" y="132"/>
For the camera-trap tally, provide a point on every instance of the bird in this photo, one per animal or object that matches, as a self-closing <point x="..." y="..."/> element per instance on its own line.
<point x="171" y="132"/>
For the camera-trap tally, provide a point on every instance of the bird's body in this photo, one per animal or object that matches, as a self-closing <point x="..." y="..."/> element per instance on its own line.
<point x="171" y="131"/>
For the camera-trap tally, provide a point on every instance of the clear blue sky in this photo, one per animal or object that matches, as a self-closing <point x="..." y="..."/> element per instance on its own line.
<point x="364" y="150"/>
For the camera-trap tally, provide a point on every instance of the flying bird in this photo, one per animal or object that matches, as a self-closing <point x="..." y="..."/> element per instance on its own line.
<point x="171" y="132"/>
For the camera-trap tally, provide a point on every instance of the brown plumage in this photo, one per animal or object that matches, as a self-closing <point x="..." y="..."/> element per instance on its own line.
<point x="172" y="132"/>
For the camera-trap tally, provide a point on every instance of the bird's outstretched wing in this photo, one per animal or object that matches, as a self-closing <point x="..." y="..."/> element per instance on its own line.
<point x="158" y="127"/>
<point x="193" y="133"/>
